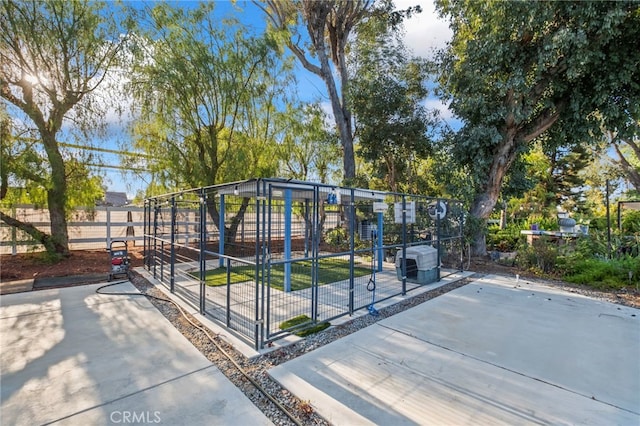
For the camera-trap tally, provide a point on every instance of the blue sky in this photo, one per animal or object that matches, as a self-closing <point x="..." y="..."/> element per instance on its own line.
<point x="424" y="33"/>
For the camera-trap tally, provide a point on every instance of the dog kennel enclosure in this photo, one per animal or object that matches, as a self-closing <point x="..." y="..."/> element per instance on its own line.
<point x="268" y="257"/>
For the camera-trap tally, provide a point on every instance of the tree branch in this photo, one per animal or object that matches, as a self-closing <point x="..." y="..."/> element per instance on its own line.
<point x="31" y="230"/>
<point x="632" y="173"/>
<point x="544" y="121"/>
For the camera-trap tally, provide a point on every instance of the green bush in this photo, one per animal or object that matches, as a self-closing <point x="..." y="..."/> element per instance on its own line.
<point x="585" y="260"/>
<point x="598" y="224"/>
<point x="503" y="240"/>
<point x="544" y="223"/>
<point x="631" y="222"/>
<point x="337" y="237"/>
<point x="540" y="257"/>
<point x="605" y="274"/>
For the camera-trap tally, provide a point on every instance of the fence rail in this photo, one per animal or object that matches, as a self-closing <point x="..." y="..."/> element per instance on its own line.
<point x="89" y="228"/>
<point x="265" y="257"/>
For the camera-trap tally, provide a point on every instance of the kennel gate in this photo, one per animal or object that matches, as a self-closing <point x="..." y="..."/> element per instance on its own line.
<point x="254" y="254"/>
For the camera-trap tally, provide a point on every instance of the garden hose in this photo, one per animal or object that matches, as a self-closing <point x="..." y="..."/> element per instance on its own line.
<point x="371" y="285"/>
<point x="211" y="338"/>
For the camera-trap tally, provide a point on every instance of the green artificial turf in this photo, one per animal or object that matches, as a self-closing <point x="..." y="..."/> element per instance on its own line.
<point x="330" y="270"/>
<point x="304" y="331"/>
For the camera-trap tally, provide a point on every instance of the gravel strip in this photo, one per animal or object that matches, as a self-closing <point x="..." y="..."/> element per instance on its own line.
<point x="257" y="367"/>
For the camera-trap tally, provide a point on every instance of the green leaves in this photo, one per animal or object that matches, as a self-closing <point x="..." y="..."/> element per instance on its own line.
<point x="387" y="91"/>
<point x="520" y="64"/>
<point x="214" y="89"/>
<point x="54" y="55"/>
<point x="515" y="70"/>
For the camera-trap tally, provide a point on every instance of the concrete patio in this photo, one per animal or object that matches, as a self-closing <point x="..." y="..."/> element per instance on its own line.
<point x="491" y="352"/>
<point x="71" y="356"/>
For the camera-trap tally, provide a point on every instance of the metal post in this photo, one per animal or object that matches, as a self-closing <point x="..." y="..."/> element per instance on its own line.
<point x="287" y="239"/>
<point x="315" y="253"/>
<point x="608" y="221"/>
<point x="202" y="248"/>
<point x="144" y="235"/>
<point x="404" y="245"/>
<point x="228" y="307"/>
<point x="439" y="238"/>
<point x="108" y="226"/>
<point x="352" y="226"/>
<point x="156" y="208"/>
<point x="265" y="287"/>
<point x="172" y="267"/>
<point x="307" y="230"/>
<point x="461" y="235"/>
<point x="379" y="241"/>
<point x="162" y="261"/>
<point x="262" y="255"/>
<point x="221" y="212"/>
<point x="146" y="224"/>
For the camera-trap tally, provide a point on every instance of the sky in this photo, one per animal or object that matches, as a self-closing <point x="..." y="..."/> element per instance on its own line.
<point x="425" y="32"/>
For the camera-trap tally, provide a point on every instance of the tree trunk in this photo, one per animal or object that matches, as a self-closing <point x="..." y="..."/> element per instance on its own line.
<point x="231" y="231"/>
<point x="342" y="118"/>
<point x="632" y="174"/>
<point x="34" y="232"/>
<point x="487" y="197"/>
<point x="57" y="195"/>
<point x="327" y="22"/>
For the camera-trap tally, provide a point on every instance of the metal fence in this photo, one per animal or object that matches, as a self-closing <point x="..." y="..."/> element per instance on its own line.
<point x="88" y="228"/>
<point x="267" y="257"/>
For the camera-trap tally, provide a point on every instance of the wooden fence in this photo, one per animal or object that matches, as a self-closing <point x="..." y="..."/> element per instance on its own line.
<point x="89" y="228"/>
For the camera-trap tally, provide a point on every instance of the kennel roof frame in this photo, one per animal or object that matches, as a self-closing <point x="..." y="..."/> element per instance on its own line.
<point x="299" y="190"/>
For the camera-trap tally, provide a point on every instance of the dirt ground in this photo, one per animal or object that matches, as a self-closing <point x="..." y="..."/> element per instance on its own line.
<point x="81" y="262"/>
<point x="34" y="265"/>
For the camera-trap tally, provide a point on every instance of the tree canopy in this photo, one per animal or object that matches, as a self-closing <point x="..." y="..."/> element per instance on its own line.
<point x="319" y="34"/>
<point x="206" y="94"/>
<point x="513" y="70"/>
<point x="387" y="92"/>
<point x="53" y="57"/>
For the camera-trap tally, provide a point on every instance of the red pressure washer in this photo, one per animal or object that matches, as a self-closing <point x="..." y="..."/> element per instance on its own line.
<point x="120" y="261"/>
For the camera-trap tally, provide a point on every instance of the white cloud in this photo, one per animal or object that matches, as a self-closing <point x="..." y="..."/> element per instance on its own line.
<point x="425" y="32"/>
<point x="442" y="107"/>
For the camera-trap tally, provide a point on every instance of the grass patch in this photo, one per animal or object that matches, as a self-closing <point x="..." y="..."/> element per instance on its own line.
<point x="304" y="331"/>
<point x="329" y="270"/>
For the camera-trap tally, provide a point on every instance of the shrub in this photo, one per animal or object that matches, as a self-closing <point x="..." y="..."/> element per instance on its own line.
<point x="631" y="222"/>
<point x="598" y="224"/>
<point x="337" y="237"/>
<point x="605" y="274"/>
<point x="585" y="260"/>
<point x="541" y="256"/>
<point x="503" y="239"/>
<point x="544" y="223"/>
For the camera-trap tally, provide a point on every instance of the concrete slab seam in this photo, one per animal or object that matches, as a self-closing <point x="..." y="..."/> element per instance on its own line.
<point x="456" y="388"/>
<point x="591" y="397"/>
<point x="130" y="394"/>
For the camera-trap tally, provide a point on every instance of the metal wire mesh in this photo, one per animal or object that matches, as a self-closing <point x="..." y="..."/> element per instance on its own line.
<point x="269" y="257"/>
